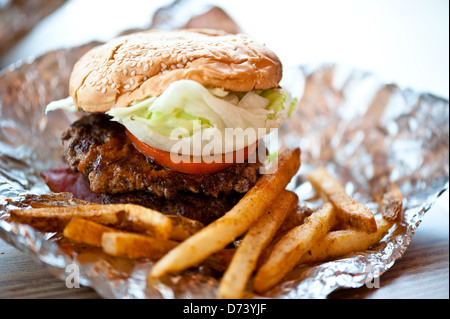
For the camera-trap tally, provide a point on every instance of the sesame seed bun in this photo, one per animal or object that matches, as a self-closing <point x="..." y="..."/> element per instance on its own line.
<point x="144" y="64"/>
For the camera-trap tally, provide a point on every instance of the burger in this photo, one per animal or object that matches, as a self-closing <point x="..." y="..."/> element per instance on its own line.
<point x="173" y="120"/>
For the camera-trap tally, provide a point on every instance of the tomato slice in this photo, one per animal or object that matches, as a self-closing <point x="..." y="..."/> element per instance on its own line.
<point x="163" y="158"/>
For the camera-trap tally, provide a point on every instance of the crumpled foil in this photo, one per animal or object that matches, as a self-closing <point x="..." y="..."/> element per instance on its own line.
<point x="346" y="120"/>
<point x="17" y="18"/>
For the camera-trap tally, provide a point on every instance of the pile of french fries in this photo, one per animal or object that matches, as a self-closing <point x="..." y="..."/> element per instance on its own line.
<point x="255" y="245"/>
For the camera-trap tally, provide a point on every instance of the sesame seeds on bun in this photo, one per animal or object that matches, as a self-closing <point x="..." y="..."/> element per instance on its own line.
<point x="136" y="66"/>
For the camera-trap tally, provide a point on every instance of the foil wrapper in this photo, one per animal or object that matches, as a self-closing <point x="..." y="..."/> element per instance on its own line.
<point x="346" y="120"/>
<point x="17" y="18"/>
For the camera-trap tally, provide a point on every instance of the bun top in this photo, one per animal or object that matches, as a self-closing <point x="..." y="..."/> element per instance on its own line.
<point x="136" y="66"/>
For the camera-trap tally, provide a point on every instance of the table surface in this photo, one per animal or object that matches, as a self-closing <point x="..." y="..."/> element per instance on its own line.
<point x="422" y="272"/>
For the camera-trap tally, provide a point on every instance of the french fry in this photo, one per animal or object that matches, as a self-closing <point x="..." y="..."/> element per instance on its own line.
<point x="132" y="245"/>
<point x="349" y="211"/>
<point x="255" y="240"/>
<point x="183" y="227"/>
<point x="147" y="220"/>
<point x="85" y="231"/>
<point x="235" y="222"/>
<point x="342" y="242"/>
<point x="47" y="200"/>
<point x="136" y="217"/>
<point x="391" y="204"/>
<point x="295" y="218"/>
<point x="289" y="249"/>
<point x="54" y="219"/>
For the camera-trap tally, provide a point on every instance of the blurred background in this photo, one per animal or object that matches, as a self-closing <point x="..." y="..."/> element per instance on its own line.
<point x="401" y="41"/>
<point x="405" y="42"/>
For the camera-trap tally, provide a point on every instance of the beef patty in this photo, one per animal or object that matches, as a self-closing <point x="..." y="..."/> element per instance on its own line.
<point x="195" y="206"/>
<point x="100" y="150"/>
<point x="203" y="208"/>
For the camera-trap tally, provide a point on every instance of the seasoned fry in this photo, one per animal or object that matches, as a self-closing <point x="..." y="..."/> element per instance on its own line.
<point x="54" y="219"/>
<point x="391" y="204"/>
<point x="183" y="227"/>
<point x="147" y="220"/>
<point x="287" y="252"/>
<point x="349" y="211"/>
<point x="47" y="200"/>
<point x="132" y="245"/>
<point x="259" y="235"/>
<point x="224" y="230"/>
<point x="341" y="242"/>
<point x="136" y="217"/>
<point x="389" y="197"/>
<point x="295" y="218"/>
<point x="85" y="231"/>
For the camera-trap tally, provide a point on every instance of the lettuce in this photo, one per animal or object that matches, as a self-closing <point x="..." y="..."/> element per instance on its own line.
<point x="190" y="108"/>
<point x="292" y="106"/>
<point x="161" y="122"/>
<point x="277" y="99"/>
<point x="64" y="104"/>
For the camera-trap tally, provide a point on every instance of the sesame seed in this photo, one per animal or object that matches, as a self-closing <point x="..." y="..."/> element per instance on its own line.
<point x="125" y="72"/>
<point x="104" y="90"/>
<point x="146" y="68"/>
<point x="173" y="66"/>
<point x="133" y="73"/>
<point x="113" y="85"/>
<point x="163" y="66"/>
<point x="180" y="66"/>
<point x="131" y="81"/>
<point x="133" y="64"/>
<point x="126" y="86"/>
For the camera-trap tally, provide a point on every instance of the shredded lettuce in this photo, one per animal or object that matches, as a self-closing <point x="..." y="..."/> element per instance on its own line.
<point x="161" y="122"/>
<point x="64" y="104"/>
<point x="188" y="107"/>
<point x="292" y="106"/>
<point x="273" y="156"/>
<point x="185" y="102"/>
<point x="277" y="99"/>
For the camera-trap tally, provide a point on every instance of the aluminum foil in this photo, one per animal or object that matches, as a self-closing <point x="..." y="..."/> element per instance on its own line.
<point x="358" y="127"/>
